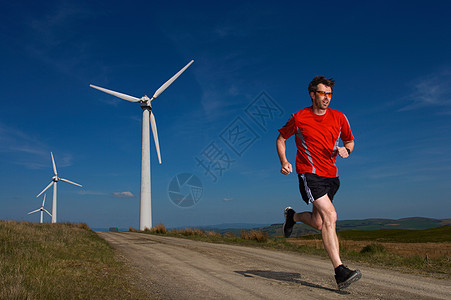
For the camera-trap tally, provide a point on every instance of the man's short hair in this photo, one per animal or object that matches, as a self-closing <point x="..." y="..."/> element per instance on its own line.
<point x="312" y="87"/>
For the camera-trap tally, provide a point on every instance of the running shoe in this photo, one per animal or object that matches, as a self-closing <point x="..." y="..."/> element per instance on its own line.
<point x="289" y="222"/>
<point x="345" y="277"/>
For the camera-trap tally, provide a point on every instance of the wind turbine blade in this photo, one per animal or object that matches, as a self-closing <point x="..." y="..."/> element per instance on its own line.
<point x="47" y="212"/>
<point x="119" y="95"/>
<point x="155" y="135"/>
<point x="54" y="165"/>
<point x="170" y="81"/>
<point x="34" y="211"/>
<point x="44" y="189"/>
<point x="43" y="202"/>
<point x="68" y="181"/>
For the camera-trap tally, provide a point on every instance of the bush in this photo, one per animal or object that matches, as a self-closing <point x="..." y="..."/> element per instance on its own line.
<point x="189" y="232"/>
<point x="229" y="235"/>
<point x="373" y="249"/>
<point x="83" y="226"/>
<point x="254" y="235"/>
<point x="213" y="234"/>
<point x="160" y="228"/>
<point x="131" y="229"/>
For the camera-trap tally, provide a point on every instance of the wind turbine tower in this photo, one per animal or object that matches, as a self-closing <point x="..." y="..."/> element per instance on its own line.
<point x="54" y="181"/>
<point x="42" y="210"/>
<point x="145" y="220"/>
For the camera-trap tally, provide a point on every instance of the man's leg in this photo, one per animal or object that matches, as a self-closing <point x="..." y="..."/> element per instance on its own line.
<point x="312" y="219"/>
<point x="324" y="210"/>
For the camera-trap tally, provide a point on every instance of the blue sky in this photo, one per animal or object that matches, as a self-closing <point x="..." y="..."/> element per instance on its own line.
<point x="390" y="59"/>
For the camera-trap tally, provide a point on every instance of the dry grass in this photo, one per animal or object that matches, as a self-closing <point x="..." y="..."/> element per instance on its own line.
<point x="160" y="228"/>
<point x="213" y="234"/>
<point x="427" y="258"/>
<point x="59" y="261"/>
<point x="188" y="232"/>
<point x="229" y="235"/>
<point x="255" y="235"/>
<point x="432" y="250"/>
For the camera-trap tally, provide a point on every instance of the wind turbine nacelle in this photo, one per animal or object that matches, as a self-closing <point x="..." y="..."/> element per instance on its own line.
<point x="146" y="101"/>
<point x="55" y="178"/>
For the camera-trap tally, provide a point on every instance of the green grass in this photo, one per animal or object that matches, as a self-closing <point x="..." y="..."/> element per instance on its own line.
<point x="60" y="261"/>
<point x="300" y="229"/>
<point x="434" y="235"/>
<point x="375" y="224"/>
<point x="375" y="255"/>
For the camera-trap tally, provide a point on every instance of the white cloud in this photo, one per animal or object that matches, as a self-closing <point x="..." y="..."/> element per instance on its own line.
<point x="432" y="90"/>
<point x="123" y="195"/>
<point x="20" y="148"/>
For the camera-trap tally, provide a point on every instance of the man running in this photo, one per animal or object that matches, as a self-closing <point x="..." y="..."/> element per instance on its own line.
<point x="317" y="131"/>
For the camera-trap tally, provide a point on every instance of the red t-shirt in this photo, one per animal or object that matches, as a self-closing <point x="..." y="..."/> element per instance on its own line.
<point x="317" y="140"/>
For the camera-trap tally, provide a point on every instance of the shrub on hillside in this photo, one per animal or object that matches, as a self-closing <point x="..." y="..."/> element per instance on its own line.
<point x="254" y="235"/>
<point x="160" y="228"/>
<point x="229" y="235"/>
<point x="83" y="226"/>
<point x="373" y="249"/>
<point x="189" y="232"/>
<point x="213" y="234"/>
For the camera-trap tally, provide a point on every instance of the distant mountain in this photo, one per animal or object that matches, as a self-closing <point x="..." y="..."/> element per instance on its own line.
<point x="234" y="226"/>
<point x="414" y="223"/>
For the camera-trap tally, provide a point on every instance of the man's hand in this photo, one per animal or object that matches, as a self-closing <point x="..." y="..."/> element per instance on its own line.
<point x="343" y="152"/>
<point x="286" y="168"/>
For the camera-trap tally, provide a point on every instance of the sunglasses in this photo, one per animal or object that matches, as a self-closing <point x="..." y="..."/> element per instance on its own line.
<point x="324" y="94"/>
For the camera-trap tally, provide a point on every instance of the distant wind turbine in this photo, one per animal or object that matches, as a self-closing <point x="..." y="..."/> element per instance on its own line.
<point x="55" y="180"/>
<point x="42" y="210"/>
<point x="146" y="105"/>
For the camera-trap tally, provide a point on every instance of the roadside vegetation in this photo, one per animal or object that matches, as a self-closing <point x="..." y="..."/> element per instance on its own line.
<point x="70" y="261"/>
<point x="418" y="251"/>
<point x="60" y="261"/>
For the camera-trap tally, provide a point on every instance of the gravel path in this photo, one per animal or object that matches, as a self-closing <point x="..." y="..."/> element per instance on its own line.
<point x="173" y="268"/>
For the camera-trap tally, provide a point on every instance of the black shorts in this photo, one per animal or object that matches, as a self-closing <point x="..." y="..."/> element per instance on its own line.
<point x="313" y="186"/>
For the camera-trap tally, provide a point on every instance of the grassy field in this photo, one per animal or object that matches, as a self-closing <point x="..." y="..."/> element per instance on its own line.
<point x="433" y="235"/>
<point x="415" y="223"/>
<point x="389" y="248"/>
<point x="60" y="261"/>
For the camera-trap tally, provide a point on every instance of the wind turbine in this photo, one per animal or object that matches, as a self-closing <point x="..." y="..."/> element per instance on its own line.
<point x="55" y="180"/>
<point x="145" y="220"/>
<point x="42" y="209"/>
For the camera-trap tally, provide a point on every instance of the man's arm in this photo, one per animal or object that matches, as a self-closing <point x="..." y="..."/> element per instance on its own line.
<point x="347" y="145"/>
<point x="281" y="147"/>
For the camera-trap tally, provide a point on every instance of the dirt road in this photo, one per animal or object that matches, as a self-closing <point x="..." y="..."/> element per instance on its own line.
<point x="172" y="268"/>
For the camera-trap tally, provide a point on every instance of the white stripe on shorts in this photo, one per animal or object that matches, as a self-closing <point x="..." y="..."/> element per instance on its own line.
<point x="307" y="189"/>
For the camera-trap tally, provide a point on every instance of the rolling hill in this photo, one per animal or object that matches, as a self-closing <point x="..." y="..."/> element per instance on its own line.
<point x="414" y="223"/>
